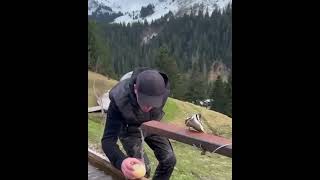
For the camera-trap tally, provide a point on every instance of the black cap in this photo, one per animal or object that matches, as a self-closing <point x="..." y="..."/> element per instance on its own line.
<point x="151" y="88"/>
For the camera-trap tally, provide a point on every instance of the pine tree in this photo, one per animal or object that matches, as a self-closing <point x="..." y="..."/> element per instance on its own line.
<point x="99" y="59"/>
<point x="196" y="85"/>
<point x="168" y="65"/>
<point x="206" y="16"/>
<point x="219" y="97"/>
<point x="228" y="90"/>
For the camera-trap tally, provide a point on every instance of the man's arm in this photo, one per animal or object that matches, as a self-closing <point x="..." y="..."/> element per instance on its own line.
<point x="111" y="134"/>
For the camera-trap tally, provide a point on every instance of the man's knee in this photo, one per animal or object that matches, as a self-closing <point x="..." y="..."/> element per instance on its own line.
<point x="170" y="160"/>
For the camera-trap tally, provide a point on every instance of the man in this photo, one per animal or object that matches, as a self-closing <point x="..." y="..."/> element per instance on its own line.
<point x="136" y="99"/>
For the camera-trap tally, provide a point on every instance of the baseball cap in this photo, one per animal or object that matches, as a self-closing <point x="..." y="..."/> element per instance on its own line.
<point x="151" y="88"/>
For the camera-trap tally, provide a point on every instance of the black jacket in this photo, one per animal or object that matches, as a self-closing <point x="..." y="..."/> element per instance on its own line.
<point x="123" y="113"/>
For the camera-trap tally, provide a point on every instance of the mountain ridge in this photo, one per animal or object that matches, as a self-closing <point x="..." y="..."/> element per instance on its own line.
<point x="129" y="11"/>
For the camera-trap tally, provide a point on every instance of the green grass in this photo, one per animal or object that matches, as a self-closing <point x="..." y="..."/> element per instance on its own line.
<point x="95" y="130"/>
<point x="190" y="163"/>
<point x="215" y="123"/>
<point x="170" y="110"/>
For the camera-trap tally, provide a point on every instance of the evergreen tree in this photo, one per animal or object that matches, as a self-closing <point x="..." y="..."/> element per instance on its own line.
<point x="168" y="65"/>
<point x="219" y="97"/>
<point x="196" y="86"/>
<point x="99" y="56"/>
<point x="228" y="90"/>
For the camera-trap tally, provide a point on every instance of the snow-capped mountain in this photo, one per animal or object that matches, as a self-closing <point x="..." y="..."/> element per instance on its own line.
<point x="129" y="11"/>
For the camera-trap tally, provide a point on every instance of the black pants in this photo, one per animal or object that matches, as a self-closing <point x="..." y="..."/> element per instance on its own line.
<point x="161" y="147"/>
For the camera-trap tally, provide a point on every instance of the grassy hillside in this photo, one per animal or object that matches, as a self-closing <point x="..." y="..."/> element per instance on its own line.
<point x="215" y="123"/>
<point x="102" y="84"/>
<point x="176" y="110"/>
<point x="190" y="163"/>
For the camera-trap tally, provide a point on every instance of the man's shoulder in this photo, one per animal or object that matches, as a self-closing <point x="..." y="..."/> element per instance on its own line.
<point x="120" y="92"/>
<point x="119" y="87"/>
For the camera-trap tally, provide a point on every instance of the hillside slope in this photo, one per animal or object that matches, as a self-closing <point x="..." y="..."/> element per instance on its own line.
<point x="102" y="84"/>
<point x="176" y="111"/>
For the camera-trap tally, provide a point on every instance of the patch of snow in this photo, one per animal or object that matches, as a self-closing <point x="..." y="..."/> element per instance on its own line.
<point x="161" y="8"/>
<point x="147" y="38"/>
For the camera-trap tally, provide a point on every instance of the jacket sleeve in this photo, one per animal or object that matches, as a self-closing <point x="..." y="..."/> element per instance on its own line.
<point x="111" y="134"/>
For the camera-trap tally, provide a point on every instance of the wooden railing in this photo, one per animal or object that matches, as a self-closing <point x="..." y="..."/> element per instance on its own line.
<point x="207" y="142"/>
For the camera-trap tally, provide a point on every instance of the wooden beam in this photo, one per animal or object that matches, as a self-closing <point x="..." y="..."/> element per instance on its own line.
<point x="104" y="164"/>
<point x="207" y="142"/>
<point x="94" y="109"/>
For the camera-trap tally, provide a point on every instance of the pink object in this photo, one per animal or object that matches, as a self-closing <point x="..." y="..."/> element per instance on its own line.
<point x="127" y="167"/>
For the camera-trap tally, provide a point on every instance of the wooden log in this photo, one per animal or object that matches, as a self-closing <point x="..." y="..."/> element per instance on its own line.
<point x="103" y="164"/>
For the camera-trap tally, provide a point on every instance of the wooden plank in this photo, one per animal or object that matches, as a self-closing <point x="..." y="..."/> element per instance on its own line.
<point x="104" y="164"/>
<point x="207" y="142"/>
<point x="96" y="174"/>
<point x="94" y="109"/>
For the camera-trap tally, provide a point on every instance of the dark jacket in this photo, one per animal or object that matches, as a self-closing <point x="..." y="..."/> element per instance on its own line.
<point x="124" y="113"/>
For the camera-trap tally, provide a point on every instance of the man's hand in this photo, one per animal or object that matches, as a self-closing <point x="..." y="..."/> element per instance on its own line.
<point x="127" y="167"/>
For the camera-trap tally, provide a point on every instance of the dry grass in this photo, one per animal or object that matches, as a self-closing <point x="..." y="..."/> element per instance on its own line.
<point x="102" y="84"/>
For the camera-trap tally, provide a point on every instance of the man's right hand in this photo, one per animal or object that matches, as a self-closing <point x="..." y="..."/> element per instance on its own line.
<point x="127" y="167"/>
